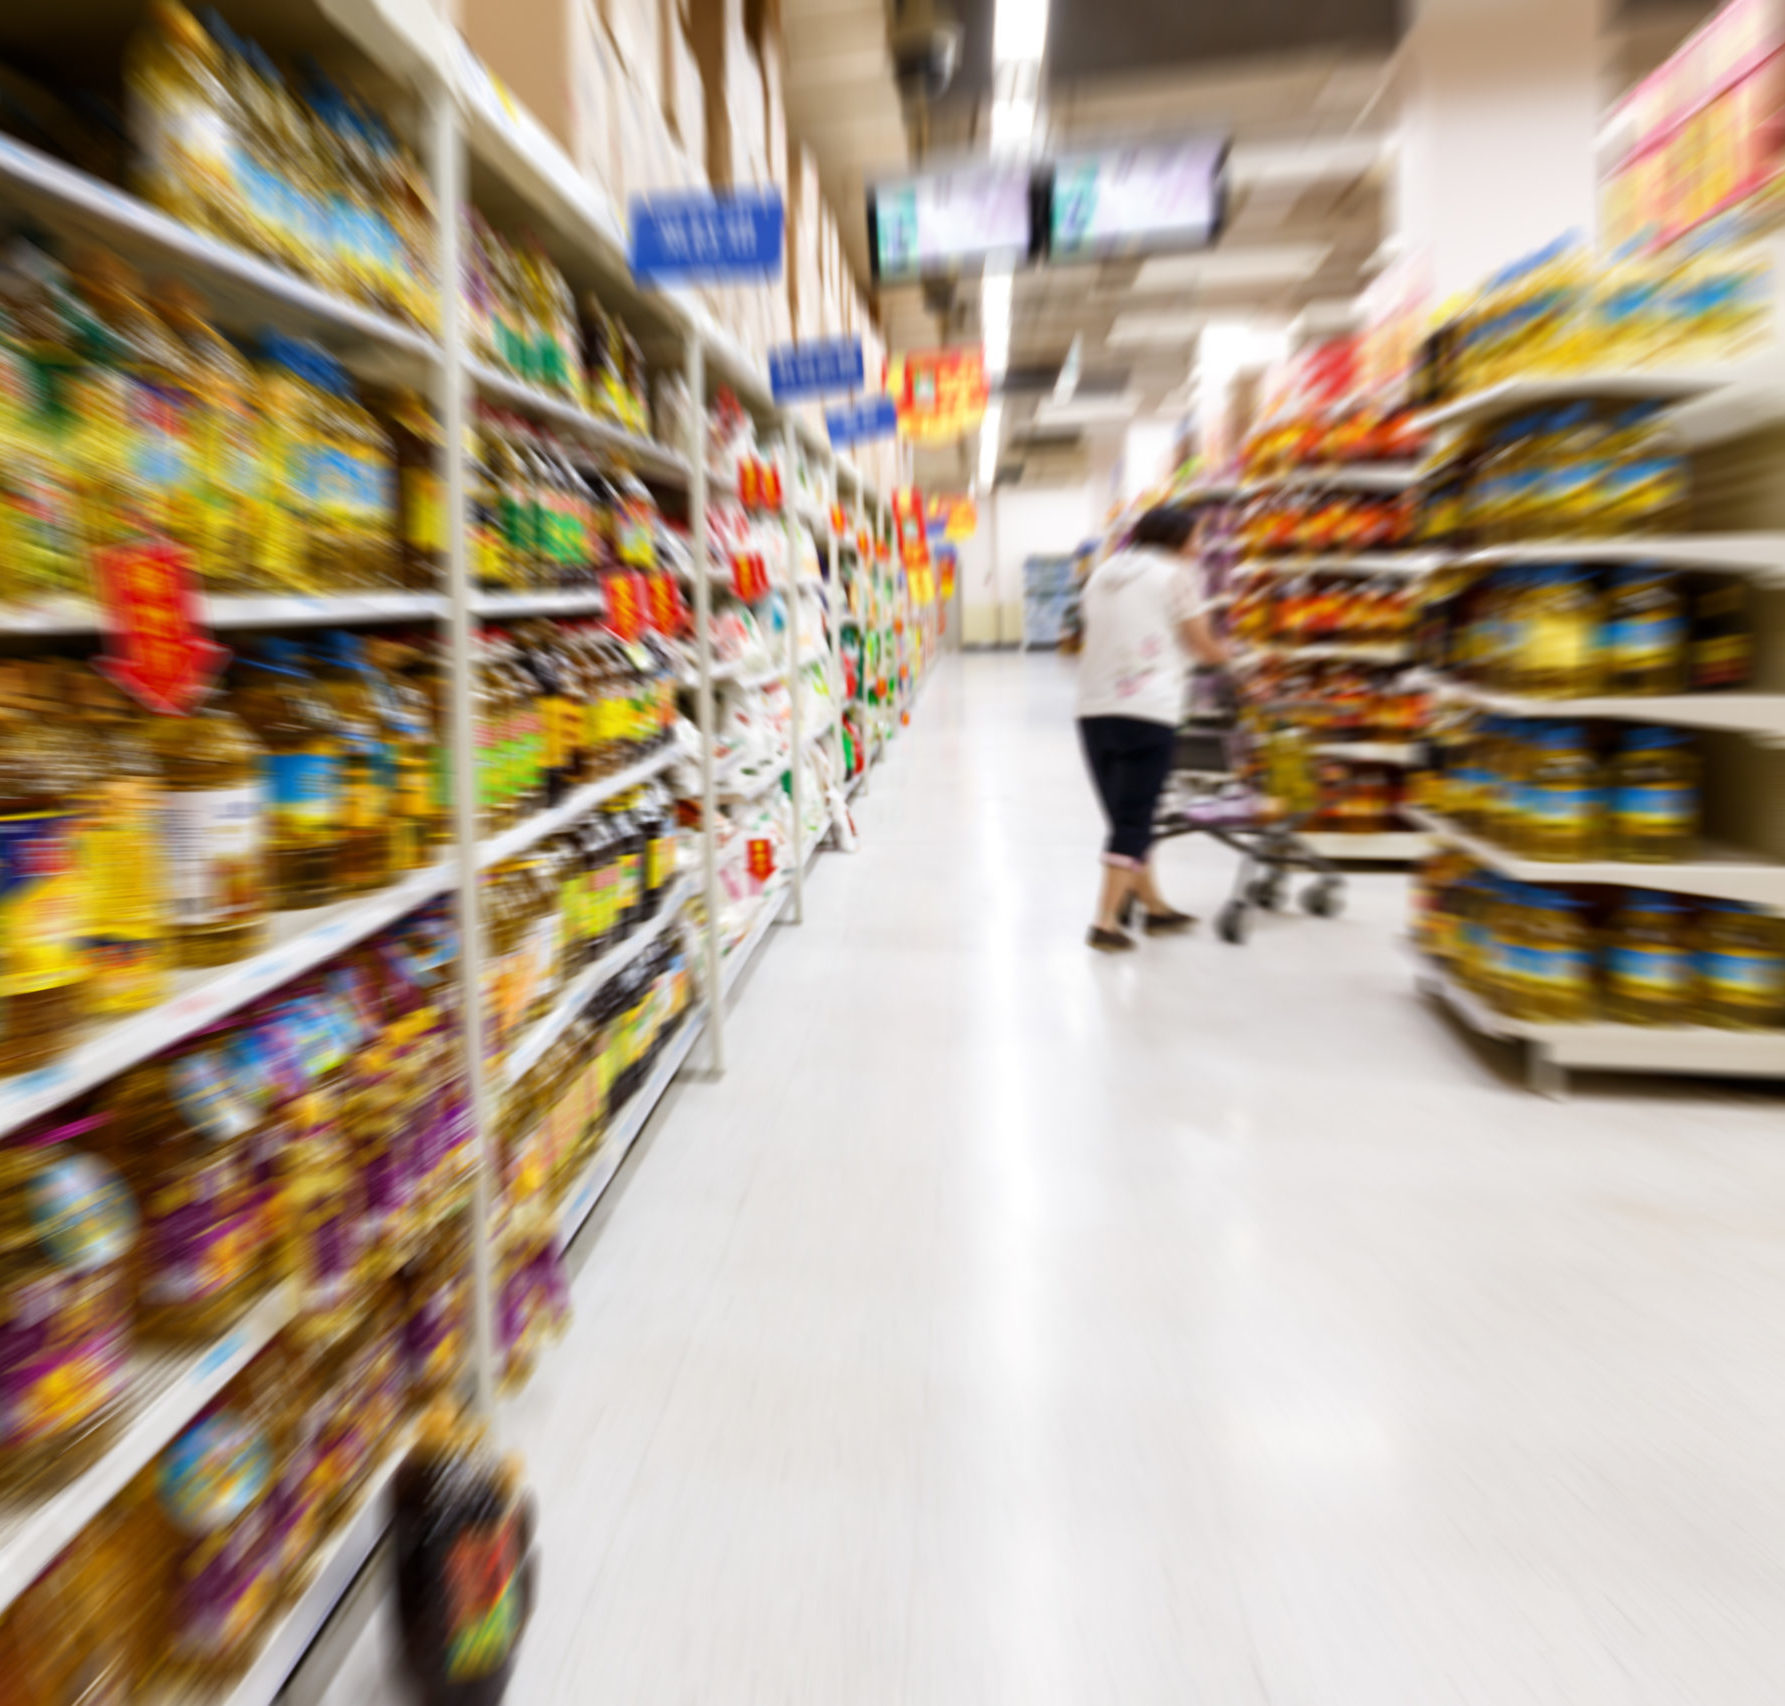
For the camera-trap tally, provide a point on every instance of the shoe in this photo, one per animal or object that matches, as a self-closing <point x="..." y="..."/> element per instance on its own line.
<point x="1168" y="922"/>
<point x="1108" y="941"/>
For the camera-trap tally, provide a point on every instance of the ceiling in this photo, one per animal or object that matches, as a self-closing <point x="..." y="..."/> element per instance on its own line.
<point x="1301" y="87"/>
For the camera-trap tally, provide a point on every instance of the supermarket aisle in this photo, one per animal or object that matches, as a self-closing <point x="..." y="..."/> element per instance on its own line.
<point x="1014" y="1325"/>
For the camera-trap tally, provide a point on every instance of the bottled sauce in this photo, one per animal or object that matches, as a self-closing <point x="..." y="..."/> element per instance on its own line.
<point x="289" y="552"/>
<point x="1562" y="795"/>
<point x="463" y="1537"/>
<point x="227" y="442"/>
<point x="1654" y="797"/>
<point x="181" y="1131"/>
<point x="1558" y="617"/>
<point x="1721" y="650"/>
<point x="128" y="922"/>
<point x="355" y="485"/>
<point x="367" y="764"/>
<point x="418" y="447"/>
<point x="45" y="779"/>
<point x="1648" y="961"/>
<point x="1645" y="633"/>
<point x="629" y="858"/>
<point x="302" y="771"/>
<point x="415" y="824"/>
<point x="1741" y="966"/>
<point x="485" y="543"/>
<point x="213" y="834"/>
<point x="66" y="1227"/>
<point x="658" y="824"/>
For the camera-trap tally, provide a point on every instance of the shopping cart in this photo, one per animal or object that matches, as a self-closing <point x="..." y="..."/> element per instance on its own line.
<point x="1248" y="781"/>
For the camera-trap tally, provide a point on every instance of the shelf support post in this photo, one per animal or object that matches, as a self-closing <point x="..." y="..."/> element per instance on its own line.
<point x="694" y="375"/>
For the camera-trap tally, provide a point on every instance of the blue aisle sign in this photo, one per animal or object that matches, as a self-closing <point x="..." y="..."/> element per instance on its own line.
<point x="813" y="370"/>
<point x="872" y="417"/>
<point x="707" y="239"/>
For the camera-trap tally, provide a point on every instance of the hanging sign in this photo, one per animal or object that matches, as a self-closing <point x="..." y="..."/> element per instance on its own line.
<point x="908" y="518"/>
<point x="816" y="370"/>
<point x="872" y="417"/>
<point x="940" y="394"/>
<point x="946" y="565"/>
<point x="626" y="604"/>
<point x="155" y="648"/>
<point x="953" y="519"/>
<point x="707" y="239"/>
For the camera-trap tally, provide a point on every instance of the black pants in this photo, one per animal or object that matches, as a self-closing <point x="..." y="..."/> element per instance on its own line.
<point x="1129" y="759"/>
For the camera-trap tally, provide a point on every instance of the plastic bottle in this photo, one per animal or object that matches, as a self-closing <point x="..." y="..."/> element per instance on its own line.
<point x="419" y="446"/>
<point x="1654" y="797"/>
<point x="1563" y="795"/>
<point x="486" y="547"/>
<point x="1721" y="650"/>
<point x="290" y="552"/>
<point x="128" y="919"/>
<point x="368" y="761"/>
<point x="303" y="774"/>
<point x="45" y="777"/>
<point x="416" y="827"/>
<point x="1558" y="635"/>
<point x="1648" y="961"/>
<point x="228" y="443"/>
<point x="184" y="121"/>
<point x="1554" y="958"/>
<point x="1741" y="966"/>
<point x="213" y="834"/>
<point x="1645" y="633"/>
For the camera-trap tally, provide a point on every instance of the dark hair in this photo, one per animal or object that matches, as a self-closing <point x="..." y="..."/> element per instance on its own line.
<point x="1165" y="526"/>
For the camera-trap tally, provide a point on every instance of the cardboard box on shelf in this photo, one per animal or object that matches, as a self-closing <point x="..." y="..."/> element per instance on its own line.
<point x="636" y="29"/>
<point x="684" y="94"/>
<point x="736" y="144"/>
<point x="771" y="60"/>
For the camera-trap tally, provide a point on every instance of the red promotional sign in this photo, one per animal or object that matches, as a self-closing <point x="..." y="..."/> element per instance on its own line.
<point x="749" y="574"/>
<point x="667" y="612"/>
<point x="761" y="855"/>
<point x="863" y="545"/>
<point x="838" y="523"/>
<point x="908" y="517"/>
<point x="941" y="394"/>
<point x="770" y="483"/>
<point x="155" y="647"/>
<point x="749" y="482"/>
<point x="626" y="604"/>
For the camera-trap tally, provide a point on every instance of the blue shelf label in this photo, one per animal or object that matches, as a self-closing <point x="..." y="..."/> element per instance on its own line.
<point x="815" y="370"/>
<point x="872" y="417"/>
<point x="707" y="239"/>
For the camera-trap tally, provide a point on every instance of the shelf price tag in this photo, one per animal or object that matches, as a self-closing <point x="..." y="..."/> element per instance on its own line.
<point x="625" y="604"/>
<point x="761" y="854"/>
<point x="156" y="649"/>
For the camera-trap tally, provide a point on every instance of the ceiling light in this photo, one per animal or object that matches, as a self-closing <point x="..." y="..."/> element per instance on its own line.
<point x="1087" y="411"/>
<point x="1281" y="263"/>
<point x="994" y="321"/>
<point x="1019" y="30"/>
<point x="1231" y="347"/>
<point x="1013" y="125"/>
<point x="1253" y="165"/>
<point x="990" y="430"/>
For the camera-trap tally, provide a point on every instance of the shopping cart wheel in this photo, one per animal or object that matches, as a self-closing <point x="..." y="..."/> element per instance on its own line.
<point x="1267" y="891"/>
<point x="1234" y="923"/>
<point x="1325" y="899"/>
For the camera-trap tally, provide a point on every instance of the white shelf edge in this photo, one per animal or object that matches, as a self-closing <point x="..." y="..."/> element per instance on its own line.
<point x="1508" y="396"/>
<point x="1604" y="1045"/>
<point x="1338" y="476"/>
<point x="645" y="453"/>
<point x="617" y="1142"/>
<point x="1370" y="751"/>
<point x="580" y="601"/>
<point x="1385" y="845"/>
<point x="315" y="937"/>
<point x="101" y="207"/>
<point x="517" y="839"/>
<point x="342" y="1556"/>
<point x="854" y="785"/>
<point x="1725" y="875"/>
<point x="735" y="794"/>
<point x="547" y="1030"/>
<point x="224" y="612"/>
<point x="757" y="678"/>
<point x="1761" y="715"/>
<point x="1318" y="651"/>
<point x="31" y="1545"/>
<point x="1759" y="554"/>
<point x="1410" y="564"/>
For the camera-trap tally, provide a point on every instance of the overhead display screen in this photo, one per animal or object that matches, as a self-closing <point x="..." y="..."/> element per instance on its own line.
<point x="1154" y="195"/>
<point x="951" y="221"/>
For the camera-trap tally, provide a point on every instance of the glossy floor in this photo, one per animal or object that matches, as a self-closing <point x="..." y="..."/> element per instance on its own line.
<point x="1014" y="1326"/>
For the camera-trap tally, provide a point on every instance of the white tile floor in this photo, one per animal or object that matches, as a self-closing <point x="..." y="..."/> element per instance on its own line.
<point x="1015" y="1326"/>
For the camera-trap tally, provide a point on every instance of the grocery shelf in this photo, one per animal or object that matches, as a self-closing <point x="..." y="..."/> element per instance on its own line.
<point x="250" y="290"/>
<point x="1600" y="1045"/>
<point x="736" y="793"/>
<point x="1338" y="477"/>
<point x="1385" y="846"/>
<point x="1761" y="715"/>
<point x="527" y="1052"/>
<point x="644" y="455"/>
<point x="225" y="612"/>
<point x="768" y="909"/>
<point x="753" y="679"/>
<point x="623" y="1132"/>
<point x="338" y="1563"/>
<point x="1541" y="391"/>
<point x="1758" y="555"/>
<point x="811" y="737"/>
<point x="167" y="1389"/>
<point x="1316" y="651"/>
<point x="1409" y="563"/>
<point x="579" y="601"/>
<point x="854" y="785"/>
<point x="1717" y="873"/>
<point x="299" y="942"/>
<point x="1370" y="751"/>
<point x="541" y="825"/>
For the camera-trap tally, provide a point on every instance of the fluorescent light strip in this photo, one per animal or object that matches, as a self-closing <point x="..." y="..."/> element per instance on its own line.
<point x="994" y="320"/>
<point x="990" y="430"/>
<point x="1019" y="31"/>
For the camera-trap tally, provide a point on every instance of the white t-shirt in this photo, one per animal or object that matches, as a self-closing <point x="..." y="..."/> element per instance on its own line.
<point x="1132" y="664"/>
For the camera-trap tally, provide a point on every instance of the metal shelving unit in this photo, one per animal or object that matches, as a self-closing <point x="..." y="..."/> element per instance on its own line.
<point x="482" y="150"/>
